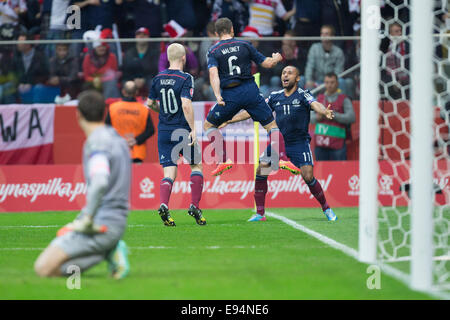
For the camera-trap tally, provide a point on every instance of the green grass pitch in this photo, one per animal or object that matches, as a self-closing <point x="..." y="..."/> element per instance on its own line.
<point x="229" y="258"/>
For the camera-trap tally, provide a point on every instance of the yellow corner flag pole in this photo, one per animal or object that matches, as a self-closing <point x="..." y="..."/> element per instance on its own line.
<point x="256" y="135"/>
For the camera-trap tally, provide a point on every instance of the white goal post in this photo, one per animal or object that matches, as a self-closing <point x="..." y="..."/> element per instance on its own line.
<point x="421" y="145"/>
<point x="368" y="143"/>
<point x="409" y="230"/>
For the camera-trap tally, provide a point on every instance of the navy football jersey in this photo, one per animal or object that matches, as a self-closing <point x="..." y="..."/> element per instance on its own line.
<point x="168" y="87"/>
<point x="233" y="58"/>
<point x="292" y="114"/>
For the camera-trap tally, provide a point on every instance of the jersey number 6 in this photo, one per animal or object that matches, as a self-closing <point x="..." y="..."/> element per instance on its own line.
<point x="233" y="67"/>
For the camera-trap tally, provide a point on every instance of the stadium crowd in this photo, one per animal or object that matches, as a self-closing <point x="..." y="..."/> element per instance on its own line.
<point x="57" y="73"/>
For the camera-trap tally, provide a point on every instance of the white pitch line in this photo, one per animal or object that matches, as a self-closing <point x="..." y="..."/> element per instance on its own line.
<point x="59" y="226"/>
<point x="332" y="243"/>
<point x="11" y="227"/>
<point x="387" y="269"/>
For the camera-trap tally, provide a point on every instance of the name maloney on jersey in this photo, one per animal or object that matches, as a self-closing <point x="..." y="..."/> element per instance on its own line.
<point x="230" y="50"/>
<point x="167" y="82"/>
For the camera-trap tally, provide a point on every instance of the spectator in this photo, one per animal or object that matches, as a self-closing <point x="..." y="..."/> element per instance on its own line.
<point x="206" y="44"/>
<point x="57" y="27"/>
<point x="64" y="73"/>
<point x="292" y="53"/>
<point x="12" y="10"/>
<point x="235" y="10"/>
<point x="93" y="13"/>
<point x="323" y="58"/>
<point x="307" y="19"/>
<point x="31" y="19"/>
<point x="263" y="12"/>
<point x="100" y="70"/>
<point x="31" y="67"/>
<point x="395" y="64"/>
<point x="203" y="90"/>
<point x="191" y="61"/>
<point x="139" y="63"/>
<point x="85" y="22"/>
<point x="337" y="14"/>
<point x="8" y="79"/>
<point x="46" y="9"/>
<point x="132" y="121"/>
<point x="330" y="135"/>
<point x="142" y="13"/>
<point x="182" y="12"/>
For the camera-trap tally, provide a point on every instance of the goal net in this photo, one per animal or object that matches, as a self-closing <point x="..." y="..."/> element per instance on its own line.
<point x="395" y="153"/>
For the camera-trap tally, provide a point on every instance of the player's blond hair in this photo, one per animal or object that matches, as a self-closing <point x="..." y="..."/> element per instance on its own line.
<point x="175" y="52"/>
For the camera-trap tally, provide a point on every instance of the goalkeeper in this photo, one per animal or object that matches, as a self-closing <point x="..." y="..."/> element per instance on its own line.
<point x="95" y="234"/>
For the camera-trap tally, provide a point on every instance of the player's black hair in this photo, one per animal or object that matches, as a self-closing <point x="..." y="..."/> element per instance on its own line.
<point x="223" y="26"/>
<point x="296" y="69"/>
<point x="331" y="75"/>
<point x="91" y="105"/>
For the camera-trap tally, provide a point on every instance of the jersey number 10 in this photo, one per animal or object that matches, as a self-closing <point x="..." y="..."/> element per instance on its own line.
<point x="169" y="101"/>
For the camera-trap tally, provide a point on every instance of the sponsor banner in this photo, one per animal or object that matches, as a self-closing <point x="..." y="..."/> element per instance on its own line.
<point x="27" y="134"/>
<point x="62" y="187"/>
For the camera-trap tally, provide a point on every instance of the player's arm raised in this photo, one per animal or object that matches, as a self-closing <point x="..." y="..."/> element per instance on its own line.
<point x="321" y="110"/>
<point x="215" y="84"/>
<point x="271" y="62"/>
<point x="153" y="104"/>
<point x="188" y="111"/>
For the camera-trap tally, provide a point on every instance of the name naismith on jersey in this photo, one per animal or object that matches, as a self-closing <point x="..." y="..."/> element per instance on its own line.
<point x="167" y="82"/>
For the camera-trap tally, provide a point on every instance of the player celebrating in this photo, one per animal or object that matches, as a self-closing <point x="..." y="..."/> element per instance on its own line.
<point x="176" y="131"/>
<point x="292" y="107"/>
<point x="95" y="234"/>
<point x="229" y="64"/>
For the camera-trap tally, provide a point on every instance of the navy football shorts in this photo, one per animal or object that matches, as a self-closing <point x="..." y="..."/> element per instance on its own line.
<point x="245" y="96"/>
<point x="299" y="154"/>
<point x="173" y="143"/>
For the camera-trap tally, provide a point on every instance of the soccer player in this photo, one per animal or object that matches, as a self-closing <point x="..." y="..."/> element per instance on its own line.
<point x="174" y="88"/>
<point x="229" y="64"/>
<point x="95" y="234"/>
<point x="292" y="108"/>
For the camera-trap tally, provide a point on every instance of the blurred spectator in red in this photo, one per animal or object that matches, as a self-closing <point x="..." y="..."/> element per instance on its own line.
<point x="100" y="70"/>
<point x="64" y="72"/>
<point x="93" y="13"/>
<point x="263" y="13"/>
<point x="139" y="62"/>
<point x="235" y="10"/>
<point x="330" y="135"/>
